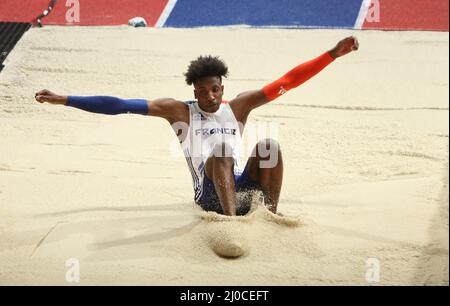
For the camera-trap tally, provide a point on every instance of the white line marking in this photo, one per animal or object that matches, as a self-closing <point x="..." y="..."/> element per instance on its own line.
<point x="165" y="13"/>
<point x="365" y="5"/>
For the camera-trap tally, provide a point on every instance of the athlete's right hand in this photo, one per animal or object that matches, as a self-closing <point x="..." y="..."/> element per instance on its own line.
<point x="50" y="97"/>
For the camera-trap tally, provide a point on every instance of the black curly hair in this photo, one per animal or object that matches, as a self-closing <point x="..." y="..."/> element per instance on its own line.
<point x="205" y="66"/>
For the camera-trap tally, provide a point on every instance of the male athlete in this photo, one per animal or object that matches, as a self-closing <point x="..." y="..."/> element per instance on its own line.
<point x="210" y="129"/>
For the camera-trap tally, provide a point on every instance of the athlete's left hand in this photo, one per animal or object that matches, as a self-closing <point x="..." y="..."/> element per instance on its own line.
<point x="345" y="46"/>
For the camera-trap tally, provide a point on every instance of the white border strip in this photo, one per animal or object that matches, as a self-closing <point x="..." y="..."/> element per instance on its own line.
<point x="365" y="5"/>
<point x="165" y="13"/>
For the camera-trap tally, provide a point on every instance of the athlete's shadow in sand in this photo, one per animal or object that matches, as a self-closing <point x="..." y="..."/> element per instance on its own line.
<point x="169" y="206"/>
<point x="119" y="226"/>
<point x="146" y="238"/>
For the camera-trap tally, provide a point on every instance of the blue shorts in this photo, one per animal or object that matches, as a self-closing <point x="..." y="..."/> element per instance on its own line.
<point x="209" y="200"/>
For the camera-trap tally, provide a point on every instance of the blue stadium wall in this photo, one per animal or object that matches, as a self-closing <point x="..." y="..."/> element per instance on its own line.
<point x="280" y="13"/>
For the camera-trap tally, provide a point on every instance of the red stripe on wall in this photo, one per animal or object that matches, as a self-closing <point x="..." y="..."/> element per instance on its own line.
<point x="409" y="15"/>
<point x="92" y="12"/>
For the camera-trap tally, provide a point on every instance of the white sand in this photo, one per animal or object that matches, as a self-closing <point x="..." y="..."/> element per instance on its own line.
<point x="365" y="148"/>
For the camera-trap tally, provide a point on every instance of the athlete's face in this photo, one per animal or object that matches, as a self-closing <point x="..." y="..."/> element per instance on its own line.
<point x="208" y="92"/>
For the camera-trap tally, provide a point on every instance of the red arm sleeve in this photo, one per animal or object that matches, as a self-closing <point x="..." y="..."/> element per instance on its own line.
<point x="297" y="76"/>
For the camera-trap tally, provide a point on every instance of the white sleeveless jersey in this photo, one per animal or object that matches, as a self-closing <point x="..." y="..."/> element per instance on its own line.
<point x="204" y="132"/>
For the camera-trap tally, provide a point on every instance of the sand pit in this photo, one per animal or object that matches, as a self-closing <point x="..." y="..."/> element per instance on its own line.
<point x="365" y="145"/>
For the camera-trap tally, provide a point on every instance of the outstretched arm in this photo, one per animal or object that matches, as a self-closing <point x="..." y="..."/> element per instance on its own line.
<point x="167" y="108"/>
<point x="247" y="101"/>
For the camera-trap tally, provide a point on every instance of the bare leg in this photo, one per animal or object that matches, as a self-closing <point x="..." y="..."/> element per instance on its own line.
<point x="266" y="167"/>
<point x="219" y="169"/>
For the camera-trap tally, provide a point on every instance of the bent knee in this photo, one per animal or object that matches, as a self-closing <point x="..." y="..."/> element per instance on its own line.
<point x="268" y="153"/>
